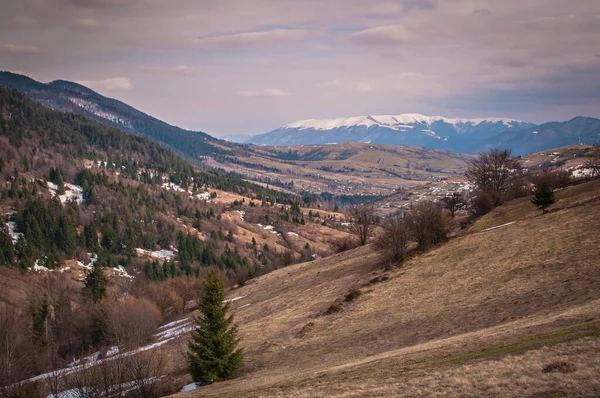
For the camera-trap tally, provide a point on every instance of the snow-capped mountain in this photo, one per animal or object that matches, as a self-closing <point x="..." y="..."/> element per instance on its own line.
<point x="405" y="129"/>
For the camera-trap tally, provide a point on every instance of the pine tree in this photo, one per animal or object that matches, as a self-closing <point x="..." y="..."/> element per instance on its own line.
<point x="543" y="197"/>
<point x="95" y="283"/>
<point x="7" y="251"/>
<point x="212" y="355"/>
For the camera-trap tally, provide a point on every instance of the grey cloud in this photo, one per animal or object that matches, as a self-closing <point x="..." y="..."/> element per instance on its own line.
<point x="482" y="11"/>
<point x="180" y="70"/>
<point x="102" y="3"/>
<point x="24" y="21"/>
<point x="252" y="39"/>
<point x="411" y="5"/>
<point x="267" y="92"/>
<point x="22" y="49"/>
<point x="88" y="24"/>
<point x="383" y="35"/>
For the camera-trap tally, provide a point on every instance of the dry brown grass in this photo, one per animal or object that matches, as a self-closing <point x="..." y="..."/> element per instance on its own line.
<point x="422" y="331"/>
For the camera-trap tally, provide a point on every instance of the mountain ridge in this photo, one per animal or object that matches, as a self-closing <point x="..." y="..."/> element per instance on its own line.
<point x="459" y="135"/>
<point x="67" y="96"/>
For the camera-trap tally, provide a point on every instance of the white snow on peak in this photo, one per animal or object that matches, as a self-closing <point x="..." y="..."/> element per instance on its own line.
<point x="396" y="122"/>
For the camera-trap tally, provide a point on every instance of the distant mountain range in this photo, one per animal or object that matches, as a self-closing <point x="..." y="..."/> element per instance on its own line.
<point x="432" y="132"/>
<point x="67" y="96"/>
<point x="436" y="132"/>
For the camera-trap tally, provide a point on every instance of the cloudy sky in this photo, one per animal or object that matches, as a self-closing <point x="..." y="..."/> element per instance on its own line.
<point x="249" y="66"/>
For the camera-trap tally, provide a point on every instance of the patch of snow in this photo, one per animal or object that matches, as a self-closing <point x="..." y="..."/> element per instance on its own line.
<point x="203" y="196"/>
<point x="582" y="173"/>
<point x="158" y="254"/>
<point x="94" y="108"/>
<point x="175" y="331"/>
<point x="188" y="387"/>
<point x="244" y="306"/>
<point x="12" y="231"/>
<point x="292" y="234"/>
<point x="114" y="350"/>
<point x="122" y="272"/>
<point x="233" y="299"/>
<point x="241" y="213"/>
<point x="72" y="193"/>
<point x="269" y="227"/>
<point x="39" y="268"/>
<point x="171" y="324"/>
<point x="498" y="226"/>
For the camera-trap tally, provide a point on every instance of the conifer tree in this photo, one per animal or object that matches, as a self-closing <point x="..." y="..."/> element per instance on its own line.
<point x="95" y="283"/>
<point x="543" y="197"/>
<point x="212" y="354"/>
<point x="7" y="252"/>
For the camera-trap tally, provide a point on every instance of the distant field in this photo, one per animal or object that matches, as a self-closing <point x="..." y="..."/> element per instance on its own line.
<point x="349" y="168"/>
<point x="482" y="315"/>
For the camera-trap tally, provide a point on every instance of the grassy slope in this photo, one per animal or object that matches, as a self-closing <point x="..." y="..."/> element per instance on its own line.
<point x="443" y="321"/>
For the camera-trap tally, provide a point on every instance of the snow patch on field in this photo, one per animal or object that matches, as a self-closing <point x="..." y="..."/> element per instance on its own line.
<point x="292" y="234"/>
<point x="233" y="299"/>
<point x="93" y="259"/>
<point x="37" y="267"/>
<point x="158" y="254"/>
<point x="73" y="193"/>
<point x="174" y="323"/>
<point x="176" y="331"/>
<point x="189" y="387"/>
<point x="241" y="213"/>
<point x="498" y="226"/>
<point x="122" y="272"/>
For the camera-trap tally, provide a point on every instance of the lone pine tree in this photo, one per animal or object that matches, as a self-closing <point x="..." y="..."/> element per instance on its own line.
<point x="543" y="197"/>
<point x="95" y="283"/>
<point x="212" y="354"/>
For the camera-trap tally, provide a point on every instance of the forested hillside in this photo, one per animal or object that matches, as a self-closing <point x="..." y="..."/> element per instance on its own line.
<point x="72" y="97"/>
<point x="93" y="216"/>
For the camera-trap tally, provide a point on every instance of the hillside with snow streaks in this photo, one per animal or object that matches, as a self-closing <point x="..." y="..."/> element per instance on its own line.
<point x="434" y="132"/>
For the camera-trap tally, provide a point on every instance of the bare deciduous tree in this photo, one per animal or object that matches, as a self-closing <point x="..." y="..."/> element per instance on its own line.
<point x="15" y="346"/>
<point x="394" y="240"/>
<point x="593" y="162"/>
<point x="363" y="219"/>
<point x="453" y="202"/>
<point x="428" y="224"/>
<point x="132" y="321"/>
<point x="493" y="172"/>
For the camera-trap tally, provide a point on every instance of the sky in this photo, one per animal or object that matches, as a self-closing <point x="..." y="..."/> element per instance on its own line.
<point x="250" y="66"/>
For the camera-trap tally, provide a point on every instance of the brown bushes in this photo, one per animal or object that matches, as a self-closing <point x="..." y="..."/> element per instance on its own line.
<point x="133" y="375"/>
<point x="130" y="321"/>
<point x="167" y="300"/>
<point x="344" y="244"/>
<point x="426" y="224"/>
<point x="394" y="240"/>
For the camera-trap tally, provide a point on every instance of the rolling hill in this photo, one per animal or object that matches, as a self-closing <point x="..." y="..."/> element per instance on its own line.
<point x="491" y="313"/>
